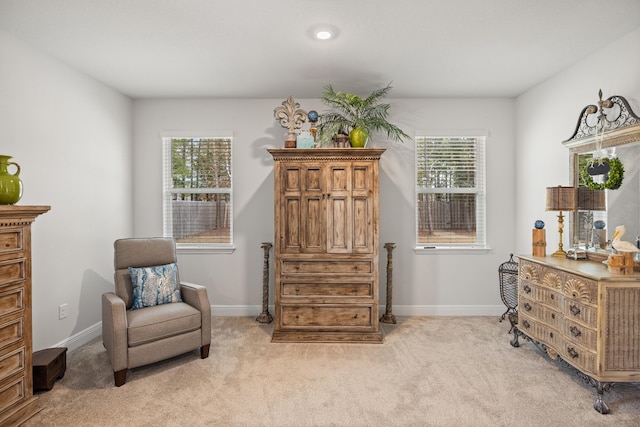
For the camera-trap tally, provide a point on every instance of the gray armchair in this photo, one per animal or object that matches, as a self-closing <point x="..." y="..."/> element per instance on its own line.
<point x="147" y="335"/>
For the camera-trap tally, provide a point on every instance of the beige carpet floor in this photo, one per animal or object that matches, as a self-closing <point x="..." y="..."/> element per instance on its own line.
<point x="430" y="371"/>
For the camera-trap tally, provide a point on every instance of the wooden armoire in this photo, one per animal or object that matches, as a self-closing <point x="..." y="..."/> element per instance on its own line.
<point x="17" y="402"/>
<point x="326" y="245"/>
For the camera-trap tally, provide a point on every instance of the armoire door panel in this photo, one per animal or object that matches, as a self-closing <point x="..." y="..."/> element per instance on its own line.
<point x="291" y="225"/>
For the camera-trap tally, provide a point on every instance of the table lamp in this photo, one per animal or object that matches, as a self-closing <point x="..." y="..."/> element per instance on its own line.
<point x="561" y="199"/>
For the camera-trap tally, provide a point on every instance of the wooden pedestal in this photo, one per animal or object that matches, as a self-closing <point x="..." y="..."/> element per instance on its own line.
<point x="539" y="242"/>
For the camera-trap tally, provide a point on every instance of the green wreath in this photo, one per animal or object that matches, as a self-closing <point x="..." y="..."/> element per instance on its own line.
<point x="614" y="176"/>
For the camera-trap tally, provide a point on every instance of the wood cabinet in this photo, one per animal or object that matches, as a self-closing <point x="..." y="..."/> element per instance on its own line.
<point x="581" y="313"/>
<point x="17" y="402"/>
<point x="326" y="245"/>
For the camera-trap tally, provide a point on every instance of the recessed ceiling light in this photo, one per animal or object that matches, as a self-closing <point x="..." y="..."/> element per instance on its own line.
<point x="323" y="34"/>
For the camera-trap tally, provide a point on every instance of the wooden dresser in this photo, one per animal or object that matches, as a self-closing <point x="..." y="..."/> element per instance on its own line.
<point x="326" y="245"/>
<point x="581" y="313"/>
<point x="17" y="402"/>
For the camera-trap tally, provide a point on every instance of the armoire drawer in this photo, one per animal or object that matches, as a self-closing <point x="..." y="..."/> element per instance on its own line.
<point x="12" y="363"/>
<point x="327" y="267"/>
<point x="11" y="301"/>
<point x="324" y="288"/>
<point x="11" y="332"/>
<point x="13" y="271"/>
<point x="330" y="316"/>
<point x="11" y="240"/>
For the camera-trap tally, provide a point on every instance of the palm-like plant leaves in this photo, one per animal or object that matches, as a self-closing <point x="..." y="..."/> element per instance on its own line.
<point x="352" y="111"/>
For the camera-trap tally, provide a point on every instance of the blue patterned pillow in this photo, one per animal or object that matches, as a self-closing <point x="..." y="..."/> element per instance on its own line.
<point x="154" y="285"/>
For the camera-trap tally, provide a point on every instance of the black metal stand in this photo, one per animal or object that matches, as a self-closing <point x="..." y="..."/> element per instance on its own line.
<point x="265" y="316"/>
<point x="388" y="316"/>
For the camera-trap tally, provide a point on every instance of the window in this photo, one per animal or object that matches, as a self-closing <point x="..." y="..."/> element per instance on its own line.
<point x="197" y="191"/>
<point x="450" y="192"/>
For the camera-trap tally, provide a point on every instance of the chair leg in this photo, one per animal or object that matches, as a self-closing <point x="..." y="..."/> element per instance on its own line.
<point x="120" y="377"/>
<point x="204" y="351"/>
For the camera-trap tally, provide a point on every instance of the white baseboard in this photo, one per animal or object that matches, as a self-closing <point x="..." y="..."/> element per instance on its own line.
<point x="83" y="337"/>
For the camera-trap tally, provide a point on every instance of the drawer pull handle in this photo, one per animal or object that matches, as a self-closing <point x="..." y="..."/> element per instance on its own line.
<point x="572" y="352"/>
<point x="526" y="324"/>
<point x="550" y="334"/>
<point x="527" y="289"/>
<point x="575" y="331"/>
<point x="552" y="296"/>
<point x="553" y="316"/>
<point x="527" y="306"/>
<point x="355" y="316"/>
<point x="574" y="309"/>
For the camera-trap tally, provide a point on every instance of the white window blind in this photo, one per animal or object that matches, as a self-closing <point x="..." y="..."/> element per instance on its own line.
<point x="197" y="191"/>
<point x="450" y="192"/>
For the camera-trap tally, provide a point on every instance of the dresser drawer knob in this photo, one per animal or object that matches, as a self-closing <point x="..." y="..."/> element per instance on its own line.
<point x="526" y="289"/>
<point x="572" y="352"/>
<point x="527" y="306"/>
<point x="575" y="331"/>
<point x="552" y="296"/>
<point x="526" y="324"/>
<point x="574" y="309"/>
<point x="355" y="316"/>
<point x="553" y="316"/>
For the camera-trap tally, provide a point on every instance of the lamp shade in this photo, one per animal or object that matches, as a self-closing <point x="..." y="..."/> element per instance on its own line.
<point x="591" y="200"/>
<point x="561" y="198"/>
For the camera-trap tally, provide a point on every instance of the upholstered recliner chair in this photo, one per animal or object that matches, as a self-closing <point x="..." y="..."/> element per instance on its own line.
<point x="143" y="323"/>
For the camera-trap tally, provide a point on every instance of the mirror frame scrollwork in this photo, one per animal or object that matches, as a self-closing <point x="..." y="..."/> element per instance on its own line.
<point x="619" y="125"/>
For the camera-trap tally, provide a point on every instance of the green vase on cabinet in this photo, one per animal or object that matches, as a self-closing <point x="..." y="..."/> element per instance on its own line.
<point x="10" y="183"/>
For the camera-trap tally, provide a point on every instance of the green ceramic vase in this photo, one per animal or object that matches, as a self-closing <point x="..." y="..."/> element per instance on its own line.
<point x="10" y="184"/>
<point x="358" y="137"/>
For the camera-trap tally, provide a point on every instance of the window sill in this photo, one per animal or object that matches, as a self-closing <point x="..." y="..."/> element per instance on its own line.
<point x="428" y="250"/>
<point x="204" y="249"/>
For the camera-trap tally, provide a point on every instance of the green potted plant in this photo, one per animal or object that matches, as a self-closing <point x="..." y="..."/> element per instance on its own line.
<point x="357" y="117"/>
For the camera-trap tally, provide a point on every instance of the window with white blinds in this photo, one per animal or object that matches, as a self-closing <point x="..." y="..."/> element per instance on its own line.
<point x="197" y="191"/>
<point x="450" y="192"/>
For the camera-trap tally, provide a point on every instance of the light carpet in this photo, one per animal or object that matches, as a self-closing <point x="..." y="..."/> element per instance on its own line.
<point x="430" y="371"/>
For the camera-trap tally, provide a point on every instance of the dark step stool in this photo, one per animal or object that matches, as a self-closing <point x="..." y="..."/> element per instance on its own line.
<point x="48" y="366"/>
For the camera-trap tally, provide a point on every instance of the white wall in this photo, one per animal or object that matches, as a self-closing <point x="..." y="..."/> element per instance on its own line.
<point x="547" y="115"/>
<point x="72" y="139"/>
<point x="423" y="284"/>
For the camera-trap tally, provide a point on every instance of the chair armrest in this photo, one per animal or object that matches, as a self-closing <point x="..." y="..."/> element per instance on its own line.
<point x="197" y="297"/>
<point x="114" y="330"/>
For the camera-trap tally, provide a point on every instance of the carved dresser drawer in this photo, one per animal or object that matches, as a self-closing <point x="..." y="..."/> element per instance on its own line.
<point x="578" y="312"/>
<point x="583" y="314"/>
<point x="583" y="359"/>
<point x="543" y="333"/>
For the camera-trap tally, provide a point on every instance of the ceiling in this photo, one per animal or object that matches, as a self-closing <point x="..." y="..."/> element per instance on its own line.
<point x="264" y="49"/>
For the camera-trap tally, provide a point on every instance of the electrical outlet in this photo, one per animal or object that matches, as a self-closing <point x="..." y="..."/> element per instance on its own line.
<point x="63" y="311"/>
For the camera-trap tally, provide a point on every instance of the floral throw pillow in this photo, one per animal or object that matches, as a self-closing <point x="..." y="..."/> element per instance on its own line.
<point x="154" y="285"/>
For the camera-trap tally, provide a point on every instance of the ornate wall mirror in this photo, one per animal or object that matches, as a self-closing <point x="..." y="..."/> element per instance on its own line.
<point x="605" y="156"/>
